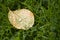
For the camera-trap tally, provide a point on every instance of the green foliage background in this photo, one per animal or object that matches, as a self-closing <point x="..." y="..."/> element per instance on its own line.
<point x="47" y="20"/>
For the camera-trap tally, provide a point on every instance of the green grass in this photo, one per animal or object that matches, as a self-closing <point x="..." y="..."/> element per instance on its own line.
<point x="47" y="20"/>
